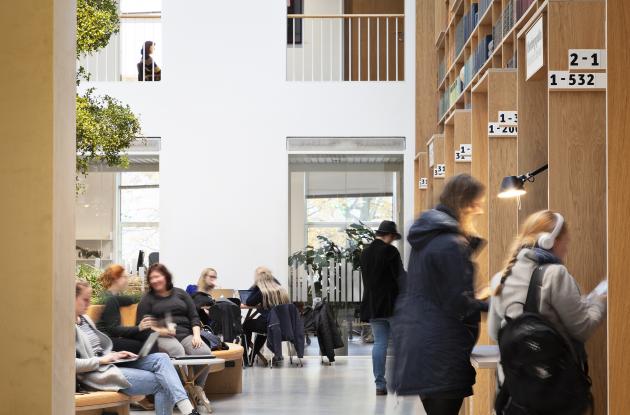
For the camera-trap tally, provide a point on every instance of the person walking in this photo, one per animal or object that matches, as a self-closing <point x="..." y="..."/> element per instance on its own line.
<point x="437" y="316"/>
<point x="381" y="266"/>
<point x="542" y="247"/>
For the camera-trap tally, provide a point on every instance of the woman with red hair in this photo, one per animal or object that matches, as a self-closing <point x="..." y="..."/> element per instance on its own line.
<point x="129" y="338"/>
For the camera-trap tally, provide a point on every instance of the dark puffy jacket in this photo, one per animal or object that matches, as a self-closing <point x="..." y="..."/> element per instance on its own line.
<point x="225" y="317"/>
<point x="380" y="268"/>
<point x="285" y="324"/>
<point x="328" y="332"/>
<point x="436" y="321"/>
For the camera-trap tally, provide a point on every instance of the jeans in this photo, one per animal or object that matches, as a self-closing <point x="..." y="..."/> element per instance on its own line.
<point x="155" y="375"/>
<point x="381" y="330"/>
<point x="175" y="348"/>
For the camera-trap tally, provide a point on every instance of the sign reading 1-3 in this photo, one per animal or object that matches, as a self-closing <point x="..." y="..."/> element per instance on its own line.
<point x="508" y="117"/>
<point x="464" y="153"/>
<point x="423" y="184"/>
<point x="439" y="172"/>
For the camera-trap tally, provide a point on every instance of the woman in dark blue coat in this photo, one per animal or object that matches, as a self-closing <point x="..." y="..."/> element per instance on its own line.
<point x="437" y="317"/>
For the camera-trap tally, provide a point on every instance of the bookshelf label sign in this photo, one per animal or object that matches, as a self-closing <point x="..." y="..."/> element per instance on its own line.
<point x="564" y="80"/>
<point x="534" y="46"/>
<point x="423" y="184"/>
<point x="463" y="154"/>
<point x="439" y="172"/>
<point x="588" y="59"/>
<point x="509" y="118"/>
<point x="495" y="129"/>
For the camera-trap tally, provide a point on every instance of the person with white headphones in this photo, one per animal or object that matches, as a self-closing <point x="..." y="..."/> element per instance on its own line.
<point x="544" y="240"/>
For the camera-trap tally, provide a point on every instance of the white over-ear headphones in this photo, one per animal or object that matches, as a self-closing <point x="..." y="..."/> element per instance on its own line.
<point x="547" y="240"/>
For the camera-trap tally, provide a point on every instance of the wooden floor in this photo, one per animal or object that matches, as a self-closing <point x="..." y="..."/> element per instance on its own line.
<point x="345" y="388"/>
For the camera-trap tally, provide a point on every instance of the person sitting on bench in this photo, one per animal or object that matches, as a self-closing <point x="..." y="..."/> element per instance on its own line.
<point x="153" y="374"/>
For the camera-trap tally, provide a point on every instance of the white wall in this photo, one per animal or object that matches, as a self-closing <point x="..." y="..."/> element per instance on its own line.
<point x="224" y="116"/>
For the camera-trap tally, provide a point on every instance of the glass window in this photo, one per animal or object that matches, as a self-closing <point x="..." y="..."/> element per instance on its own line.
<point x="139" y="215"/>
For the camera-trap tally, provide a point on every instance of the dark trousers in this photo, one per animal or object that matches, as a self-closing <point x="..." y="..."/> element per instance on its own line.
<point x="442" y="406"/>
<point x="258" y="325"/>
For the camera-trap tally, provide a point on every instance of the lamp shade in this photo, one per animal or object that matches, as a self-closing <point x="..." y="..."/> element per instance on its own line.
<point x="512" y="186"/>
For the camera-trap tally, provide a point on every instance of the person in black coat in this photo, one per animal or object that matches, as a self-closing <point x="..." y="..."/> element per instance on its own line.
<point x="437" y="315"/>
<point x="380" y="268"/>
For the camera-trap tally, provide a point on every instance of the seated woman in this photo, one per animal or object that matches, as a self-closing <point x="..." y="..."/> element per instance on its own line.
<point x="115" y="280"/>
<point x="182" y="334"/>
<point x="266" y="294"/>
<point x="203" y="297"/>
<point x="153" y="374"/>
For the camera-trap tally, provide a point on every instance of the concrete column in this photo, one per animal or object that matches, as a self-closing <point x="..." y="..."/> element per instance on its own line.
<point x="37" y="164"/>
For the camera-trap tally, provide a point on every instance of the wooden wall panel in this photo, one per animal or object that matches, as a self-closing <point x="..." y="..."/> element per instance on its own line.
<point x="462" y="135"/>
<point x="479" y="165"/>
<point x="438" y="184"/>
<point x="532" y="134"/>
<point x="449" y="148"/>
<point x="502" y="161"/>
<point x="618" y="17"/>
<point x="577" y="156"/>
<point x="423" y="164"/>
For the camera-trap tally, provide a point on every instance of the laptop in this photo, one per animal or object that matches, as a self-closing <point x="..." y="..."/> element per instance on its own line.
<point x="146" y="348"/>
<point x="244" y="295"/>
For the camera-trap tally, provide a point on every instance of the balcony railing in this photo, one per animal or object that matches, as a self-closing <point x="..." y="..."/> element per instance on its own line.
<point x="119" y="59"/>
<point x="347" y="47"/>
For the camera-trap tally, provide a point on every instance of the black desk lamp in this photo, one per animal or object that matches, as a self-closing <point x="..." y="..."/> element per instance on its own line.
<point x="514" y="186"/>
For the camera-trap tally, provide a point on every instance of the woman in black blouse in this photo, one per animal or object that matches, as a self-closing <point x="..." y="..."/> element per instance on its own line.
<point x="128" y="338"/>
<point x="181" y="335"/>
<point x="266" y="294"/>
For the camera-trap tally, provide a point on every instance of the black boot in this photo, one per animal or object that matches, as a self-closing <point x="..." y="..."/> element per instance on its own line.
<point x="194" y="412"/>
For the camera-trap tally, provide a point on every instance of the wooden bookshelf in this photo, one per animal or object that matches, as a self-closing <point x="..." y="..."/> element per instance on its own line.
<point x="563" y="126"/>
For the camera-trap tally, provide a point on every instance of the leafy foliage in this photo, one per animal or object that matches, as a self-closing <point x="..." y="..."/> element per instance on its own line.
<point x="97" y="21"/>
<point x="359" y="236"/>
<point x="92" y="276"/>
<point x="105" y="129"/>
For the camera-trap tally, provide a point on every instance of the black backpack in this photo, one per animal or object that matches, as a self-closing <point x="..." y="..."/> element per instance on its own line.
<point x="545" y="372"/>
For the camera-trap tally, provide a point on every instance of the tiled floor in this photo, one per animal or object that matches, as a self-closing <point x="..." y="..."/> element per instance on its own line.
<point x="345" y="388"/>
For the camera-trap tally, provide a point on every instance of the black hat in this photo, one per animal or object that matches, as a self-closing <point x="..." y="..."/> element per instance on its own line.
<point x="388" y="227"/>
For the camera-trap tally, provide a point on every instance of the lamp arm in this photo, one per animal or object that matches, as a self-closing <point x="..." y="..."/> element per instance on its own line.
<point x="530" y="175"/>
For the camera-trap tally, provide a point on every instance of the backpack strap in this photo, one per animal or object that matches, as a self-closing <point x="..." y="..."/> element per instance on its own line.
<point x="533" y="293"/>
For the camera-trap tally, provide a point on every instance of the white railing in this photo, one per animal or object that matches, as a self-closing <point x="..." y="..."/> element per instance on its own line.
<point x="346" y="47"/>
<point x="119" y="59"/>
<point x="339" y="283"/>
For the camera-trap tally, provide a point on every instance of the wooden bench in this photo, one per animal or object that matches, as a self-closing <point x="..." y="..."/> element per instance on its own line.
<point x="93" y="403"/>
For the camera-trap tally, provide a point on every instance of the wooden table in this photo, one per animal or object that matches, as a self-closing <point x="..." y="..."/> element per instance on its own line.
<point x="189" y="376"/>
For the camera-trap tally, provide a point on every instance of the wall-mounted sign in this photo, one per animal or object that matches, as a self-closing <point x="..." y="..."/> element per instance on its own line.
<point x="508" y="117"/>
<point x="423" y="184"/>
<point x="534" y="46"/>
<point x="431" y="154"/>
<point x="588" y="59"/>
<point x="495" y="129"/>
<point x="564" y="80"/>
<point x="464" y="153"/>
<point x="439" y="172"/>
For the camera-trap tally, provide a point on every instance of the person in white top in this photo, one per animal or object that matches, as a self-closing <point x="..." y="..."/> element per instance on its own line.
<point x="544" y="240"/>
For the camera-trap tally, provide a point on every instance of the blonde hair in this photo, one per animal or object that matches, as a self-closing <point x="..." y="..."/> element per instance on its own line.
<point x="202" y="285"/>
<point x="273" y="293"/>
<point x="535" y="225"/>
<point x="79" y="286"/>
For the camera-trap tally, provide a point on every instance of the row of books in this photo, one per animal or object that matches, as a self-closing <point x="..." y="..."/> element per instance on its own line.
<point x="513" y="11"/>
<point x="465" y="27"/>
<point x="476" y="61"/>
